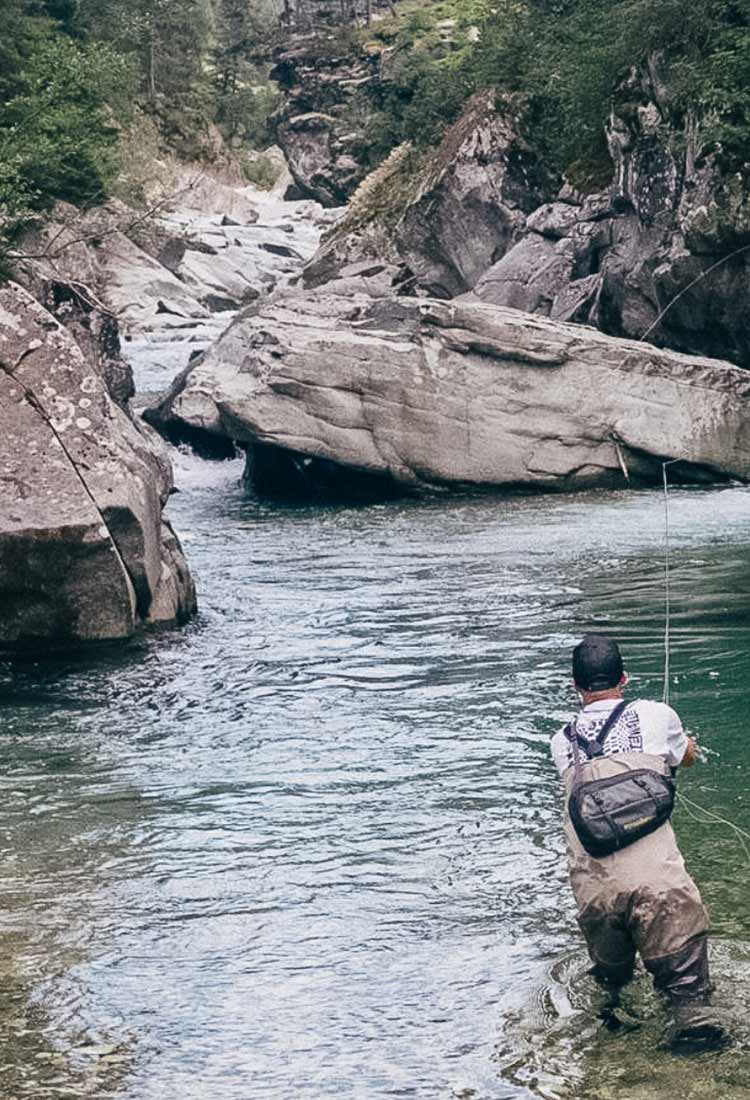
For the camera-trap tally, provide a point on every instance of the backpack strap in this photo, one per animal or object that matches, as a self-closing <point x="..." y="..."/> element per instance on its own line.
<point x="593" y="746"/>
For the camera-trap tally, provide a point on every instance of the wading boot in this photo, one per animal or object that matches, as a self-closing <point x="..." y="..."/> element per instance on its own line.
<point x="696" y="1026"/>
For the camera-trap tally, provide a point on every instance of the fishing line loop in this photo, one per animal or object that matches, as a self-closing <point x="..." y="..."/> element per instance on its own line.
<point x="710" y="817"/>
<point x="667" y="578"/>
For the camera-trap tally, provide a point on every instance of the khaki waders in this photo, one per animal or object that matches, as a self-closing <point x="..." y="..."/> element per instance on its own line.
<point x="640" y="899"/>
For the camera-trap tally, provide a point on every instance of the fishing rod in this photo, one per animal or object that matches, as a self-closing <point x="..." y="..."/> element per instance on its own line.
<point x="667" y="550"/>
<point x="667" y="579"/>
<point x="691" y="284"/>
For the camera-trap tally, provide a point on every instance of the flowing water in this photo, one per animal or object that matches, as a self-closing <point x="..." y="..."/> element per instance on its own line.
<point x="310" y="846"/>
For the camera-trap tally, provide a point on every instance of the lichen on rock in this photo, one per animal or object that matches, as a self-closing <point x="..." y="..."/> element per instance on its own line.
<point x="85" y="552"/>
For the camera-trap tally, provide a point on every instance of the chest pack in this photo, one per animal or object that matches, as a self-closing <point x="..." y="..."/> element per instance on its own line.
<point x="610" y="813"/>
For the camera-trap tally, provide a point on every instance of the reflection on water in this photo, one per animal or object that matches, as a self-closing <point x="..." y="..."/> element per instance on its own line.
<point x="310" y="846"/>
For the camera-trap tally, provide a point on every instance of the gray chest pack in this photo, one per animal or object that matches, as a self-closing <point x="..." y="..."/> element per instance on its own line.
<point x="611" y="813"/>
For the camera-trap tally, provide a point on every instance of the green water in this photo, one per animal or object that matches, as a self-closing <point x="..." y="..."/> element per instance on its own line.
<point x="310" y="846"/>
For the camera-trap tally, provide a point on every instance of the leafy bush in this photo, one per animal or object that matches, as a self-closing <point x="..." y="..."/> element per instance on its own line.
<point x="244" y="110"/>
<point x="261" y="170"/>
<point x="60" y="130"/>
<point x="59" y="119"/>
<point x="145" y="166"/>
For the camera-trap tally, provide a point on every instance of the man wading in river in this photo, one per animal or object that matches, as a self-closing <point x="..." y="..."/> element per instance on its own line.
<point x="632" y="895"/>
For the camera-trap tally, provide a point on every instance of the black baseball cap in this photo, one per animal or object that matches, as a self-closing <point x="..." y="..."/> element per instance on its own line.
<point x="597" y="663"/>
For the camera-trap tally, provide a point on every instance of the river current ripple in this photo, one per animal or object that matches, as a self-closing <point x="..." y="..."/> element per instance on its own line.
<point x="309" y="846"/>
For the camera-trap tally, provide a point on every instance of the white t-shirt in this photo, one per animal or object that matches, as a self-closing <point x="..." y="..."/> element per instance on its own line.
<point x="643" y="726"/>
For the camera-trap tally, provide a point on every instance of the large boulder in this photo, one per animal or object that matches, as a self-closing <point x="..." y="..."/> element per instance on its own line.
<point x="85" y="551"/>
<point x="553" y="268"/>
<point x="60" y="270"/>
<point x="438" y="220"/>
<point x="139" y="287"/>
<point x="207" y="194"/>
<point x="352" y="392"/>
<point x="319" y="157"/>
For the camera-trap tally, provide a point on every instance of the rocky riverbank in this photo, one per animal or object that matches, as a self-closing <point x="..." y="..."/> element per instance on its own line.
<point x="358" y="380"/>
<point x="86" y="551"/>
<point x="661" y="250"/>
<point x="419" y="339"/>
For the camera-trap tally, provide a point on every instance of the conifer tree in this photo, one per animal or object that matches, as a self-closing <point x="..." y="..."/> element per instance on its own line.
<point x="167" y="38"/>
<point x="244" y="99"/>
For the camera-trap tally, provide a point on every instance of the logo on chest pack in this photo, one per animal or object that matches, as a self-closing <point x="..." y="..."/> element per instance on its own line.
<point x="636" y="824"/>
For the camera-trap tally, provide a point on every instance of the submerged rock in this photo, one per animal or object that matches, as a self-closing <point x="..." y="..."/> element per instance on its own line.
<point x="356" y="393"/>
<point x="85" y="551"/>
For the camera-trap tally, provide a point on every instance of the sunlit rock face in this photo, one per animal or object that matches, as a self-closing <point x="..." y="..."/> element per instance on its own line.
<point x="436" y="223"/>
<point x="85" y="551"/>
<point x="353" y="393"/>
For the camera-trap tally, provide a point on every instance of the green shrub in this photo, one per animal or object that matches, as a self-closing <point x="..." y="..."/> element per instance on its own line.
<point x="565" y="61"/>
<point x="59" y="131"/>
<point x="260" y="170"/>
<point x="245" y="109"/>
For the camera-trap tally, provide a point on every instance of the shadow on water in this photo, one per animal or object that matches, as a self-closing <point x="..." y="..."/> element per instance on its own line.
<point x="564" y="1045"/>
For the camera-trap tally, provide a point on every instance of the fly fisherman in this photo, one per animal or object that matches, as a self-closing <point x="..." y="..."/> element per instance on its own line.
<point x="628" y="876"/>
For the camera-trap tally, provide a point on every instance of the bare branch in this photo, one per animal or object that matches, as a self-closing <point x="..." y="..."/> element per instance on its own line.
<point x="49" y="252"/>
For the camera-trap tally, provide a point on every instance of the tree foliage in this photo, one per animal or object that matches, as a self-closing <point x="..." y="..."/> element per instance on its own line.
<point x="244" y="99"/>
<point x="166" y="42"/>
<point x="73" y="71"/>
<point x="58" y="115"/>
<point x="565" y="59"/>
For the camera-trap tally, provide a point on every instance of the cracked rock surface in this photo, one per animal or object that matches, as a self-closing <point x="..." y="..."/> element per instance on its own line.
<point x="85" y="551"/>
<point x="663" y="253"/>
<point x="322" y="388"/>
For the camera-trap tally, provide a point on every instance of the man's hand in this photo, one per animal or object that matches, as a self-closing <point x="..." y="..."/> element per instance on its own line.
<point x="691" y="753"/>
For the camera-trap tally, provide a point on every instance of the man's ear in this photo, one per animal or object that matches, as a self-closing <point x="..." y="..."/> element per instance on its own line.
<point x="623" y="680"/>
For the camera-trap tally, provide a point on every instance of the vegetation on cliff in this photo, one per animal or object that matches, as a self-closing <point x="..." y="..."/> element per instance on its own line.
<point x="90" y="87"/>
<point x="564" y="61"/>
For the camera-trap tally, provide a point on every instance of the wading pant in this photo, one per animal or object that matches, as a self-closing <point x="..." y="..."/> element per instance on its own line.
<point x="640" y="899"/>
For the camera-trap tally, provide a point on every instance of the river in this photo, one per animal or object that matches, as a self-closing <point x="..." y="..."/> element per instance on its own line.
<point x="310" y="846"/>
